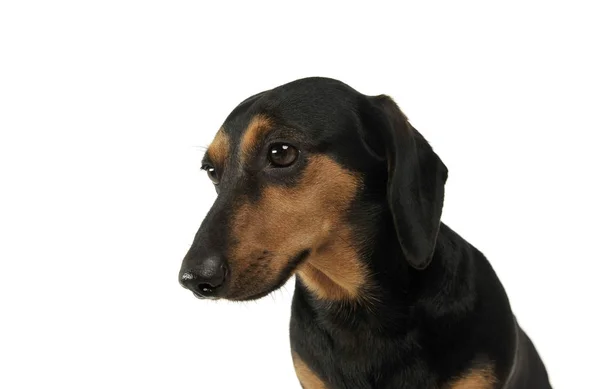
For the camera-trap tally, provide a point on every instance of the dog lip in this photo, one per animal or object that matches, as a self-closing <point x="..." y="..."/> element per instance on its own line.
<point x="285" y="275"/>
<point x="204" y="297"/>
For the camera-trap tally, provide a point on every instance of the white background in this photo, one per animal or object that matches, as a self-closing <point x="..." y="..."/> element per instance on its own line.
<point x="104" y="110"/>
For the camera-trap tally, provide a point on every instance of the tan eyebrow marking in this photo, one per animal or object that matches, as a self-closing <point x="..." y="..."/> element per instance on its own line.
<point x="259" y="127"/>
<point x="219" y="148"/>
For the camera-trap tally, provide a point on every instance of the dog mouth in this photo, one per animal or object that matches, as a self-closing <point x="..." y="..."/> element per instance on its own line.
<point x="284" y="275"/>
<point x="204" y="297"/>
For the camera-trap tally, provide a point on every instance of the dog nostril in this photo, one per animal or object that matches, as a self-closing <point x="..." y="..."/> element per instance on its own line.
<point x="206" y="287"/>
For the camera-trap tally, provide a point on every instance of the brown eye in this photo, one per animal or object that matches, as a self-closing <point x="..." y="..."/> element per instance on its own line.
<point x="212" y="173"/>
<point x="282" y="154"/>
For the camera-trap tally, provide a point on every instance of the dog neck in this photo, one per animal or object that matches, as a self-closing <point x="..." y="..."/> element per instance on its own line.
<point x="395" y="296"/>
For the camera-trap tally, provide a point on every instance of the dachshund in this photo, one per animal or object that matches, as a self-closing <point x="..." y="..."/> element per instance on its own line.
<point x="317" y="180"/>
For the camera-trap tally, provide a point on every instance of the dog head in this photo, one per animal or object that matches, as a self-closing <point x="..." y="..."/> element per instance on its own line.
<point x="304" y="174"/>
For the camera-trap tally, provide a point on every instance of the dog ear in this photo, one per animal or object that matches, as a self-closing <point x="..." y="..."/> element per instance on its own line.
<point x="416" y="179"/>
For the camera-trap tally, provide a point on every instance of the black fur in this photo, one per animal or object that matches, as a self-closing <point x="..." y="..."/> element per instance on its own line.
<point x="439" y="309"/>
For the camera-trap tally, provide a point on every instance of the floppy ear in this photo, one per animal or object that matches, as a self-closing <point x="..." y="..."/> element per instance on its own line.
<point x="416" y="179"/>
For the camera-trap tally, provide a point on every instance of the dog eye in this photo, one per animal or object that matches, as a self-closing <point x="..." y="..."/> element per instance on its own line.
<point x="282" y="154"/>
<point x="212" y="173"/>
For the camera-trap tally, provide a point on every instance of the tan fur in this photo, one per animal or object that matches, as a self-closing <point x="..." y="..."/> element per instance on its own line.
<point x="329" y="276"/>
<point x="306" y="376"/>
<point x="482" y="378"/>
<point x="286" y="221"/>
<point x="219" y="148"/>
<point x="258" y="128"/>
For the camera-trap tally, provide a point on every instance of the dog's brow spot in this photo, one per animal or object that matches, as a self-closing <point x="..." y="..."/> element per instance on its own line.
<point x="259" y="126"/>
<point x="219" y="148"/>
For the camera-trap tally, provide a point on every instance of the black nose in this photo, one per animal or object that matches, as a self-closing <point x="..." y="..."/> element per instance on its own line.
<point x="207" y="278"/>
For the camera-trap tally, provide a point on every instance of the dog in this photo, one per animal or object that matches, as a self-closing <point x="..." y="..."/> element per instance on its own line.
<point x="317" y="180"/>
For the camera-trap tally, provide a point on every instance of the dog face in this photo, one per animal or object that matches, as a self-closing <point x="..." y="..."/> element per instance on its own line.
<point x="303" y="174"/>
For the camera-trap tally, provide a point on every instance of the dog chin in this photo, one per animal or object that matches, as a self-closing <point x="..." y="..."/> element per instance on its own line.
<point x="239" y="297"/>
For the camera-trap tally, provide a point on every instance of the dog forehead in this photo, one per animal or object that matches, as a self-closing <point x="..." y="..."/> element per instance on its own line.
<point x="314" y="102"/>
<point x="320" y="108"/>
